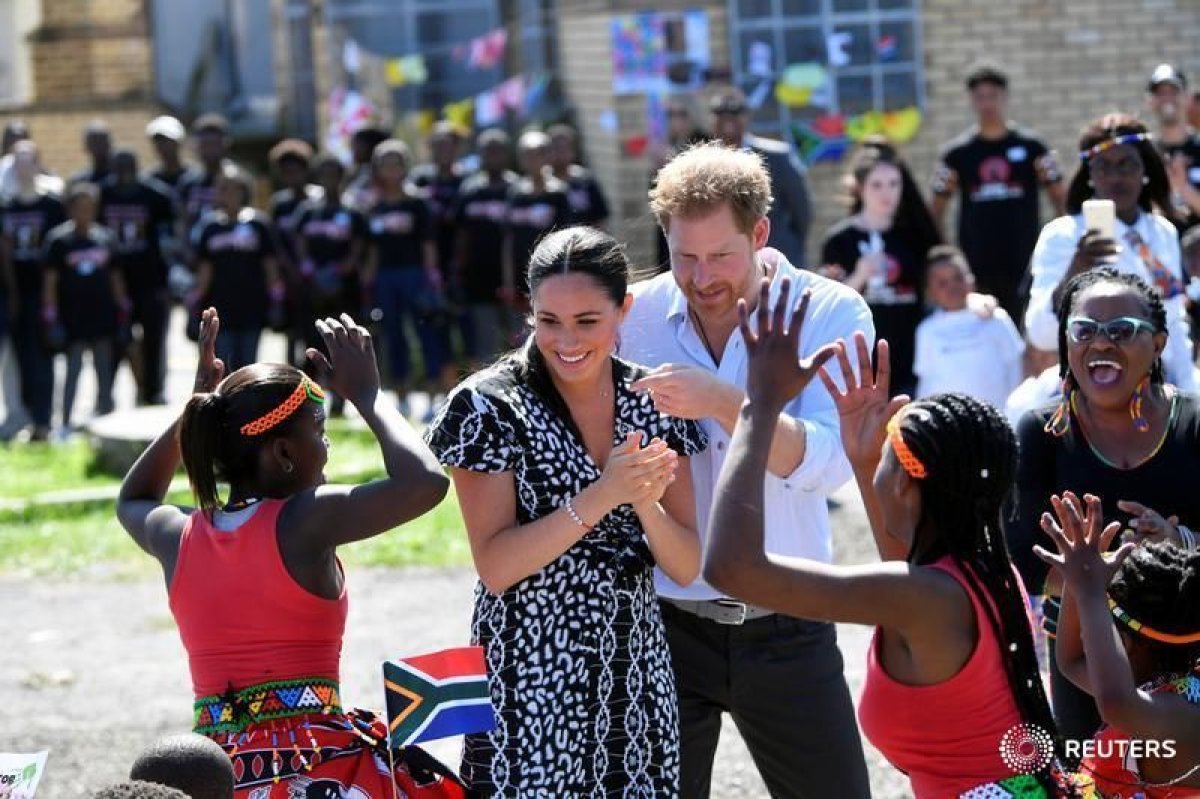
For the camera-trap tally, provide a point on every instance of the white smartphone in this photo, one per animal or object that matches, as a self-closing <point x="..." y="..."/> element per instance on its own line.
<point x="1100" y="215"/>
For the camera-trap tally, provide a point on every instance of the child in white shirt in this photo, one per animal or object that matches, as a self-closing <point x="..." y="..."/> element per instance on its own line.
<point x="956" y="348"/>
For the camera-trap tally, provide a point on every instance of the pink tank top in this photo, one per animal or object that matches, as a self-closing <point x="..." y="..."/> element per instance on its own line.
<point x="242" y="617"/>
<point x="946" y="737"/>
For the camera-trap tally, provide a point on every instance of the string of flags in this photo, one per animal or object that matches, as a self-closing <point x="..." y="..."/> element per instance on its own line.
<point x="482" y="52"/>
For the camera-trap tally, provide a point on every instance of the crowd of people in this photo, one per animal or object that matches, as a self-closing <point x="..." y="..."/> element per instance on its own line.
<point x="643" y="470"/>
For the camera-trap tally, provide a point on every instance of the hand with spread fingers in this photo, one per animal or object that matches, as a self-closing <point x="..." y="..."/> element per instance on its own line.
<point x="210" y="370"/>
<point x="863" y="406"/>
<point x="1149" y="525"/>
<point x="776" y="374"/>
<point x="1082" y="540"/>
<point x="350" y="363"/>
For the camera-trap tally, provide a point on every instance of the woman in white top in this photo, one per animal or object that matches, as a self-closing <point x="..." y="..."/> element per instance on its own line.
<point x="1119" y="163"/>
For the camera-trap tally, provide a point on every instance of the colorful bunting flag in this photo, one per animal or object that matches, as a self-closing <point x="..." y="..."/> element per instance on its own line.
<point x="437" y="696"/>
<point x="407" y="70"/>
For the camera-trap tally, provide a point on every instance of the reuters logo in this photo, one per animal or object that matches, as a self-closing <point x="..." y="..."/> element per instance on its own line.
<point x="1026" y="748"/>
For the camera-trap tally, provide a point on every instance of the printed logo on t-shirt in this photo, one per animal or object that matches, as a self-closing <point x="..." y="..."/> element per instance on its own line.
<point x="1017" y="154"/>
<point x="539" y="215"/>
<point x="580" y="200"/>
<point x="888" y="291"/>
<point x="129" y="223"/>
<point x="87" y="261"/>
<point x="201" y="199"/>
<point x="243" y="238"/>
<point x="392" y="222"/>
<point x="995" y="180"/>
<point x="336" y="228"/>
<point x="25" y="232"/>
<point x="493" y="210"/>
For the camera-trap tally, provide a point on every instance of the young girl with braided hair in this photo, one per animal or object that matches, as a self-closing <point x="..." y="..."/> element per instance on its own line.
<point x="1129" y="635"/>
<point x="253" y="581"/>
<point x="951" y="671"/>
<point x="1119" y="432"/>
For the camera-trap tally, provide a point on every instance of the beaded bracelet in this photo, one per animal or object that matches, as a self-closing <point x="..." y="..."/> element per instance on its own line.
<point x="575" y="517"/>
<point x="1187" y="536"/>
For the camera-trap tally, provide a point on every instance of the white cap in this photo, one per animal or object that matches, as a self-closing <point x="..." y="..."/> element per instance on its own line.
<point x="167" y="127"/>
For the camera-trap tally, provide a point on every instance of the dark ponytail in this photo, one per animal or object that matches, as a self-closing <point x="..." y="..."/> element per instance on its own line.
<point x="213" y="447"/>
<point x="199" y="441"/>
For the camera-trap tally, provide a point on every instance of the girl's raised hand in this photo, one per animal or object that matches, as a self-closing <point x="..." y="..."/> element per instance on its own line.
<point x="210" y="369"/>
<point x="863" y="407"/>
<point x="1081" y="542"/>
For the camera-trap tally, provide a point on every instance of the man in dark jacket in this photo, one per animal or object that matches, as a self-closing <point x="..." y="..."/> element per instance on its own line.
<point x="791" y="210"/>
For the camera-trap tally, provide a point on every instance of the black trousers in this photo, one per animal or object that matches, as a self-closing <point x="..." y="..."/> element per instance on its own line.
<point x="781" y="680"/>
<point x="151" y="309"/>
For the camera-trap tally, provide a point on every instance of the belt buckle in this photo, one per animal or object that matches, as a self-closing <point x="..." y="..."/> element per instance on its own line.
<point x="733" y="604"/>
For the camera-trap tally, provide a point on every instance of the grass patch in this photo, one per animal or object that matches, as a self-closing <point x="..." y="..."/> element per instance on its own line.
<point x="85" y="539"/>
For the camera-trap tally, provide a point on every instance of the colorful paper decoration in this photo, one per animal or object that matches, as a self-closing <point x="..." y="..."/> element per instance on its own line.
<point x="823" y="140"/>
<point x="800" y="83"/>
<point x="887" y="47"/>
<point x="636" y="146"/>
<point x="639" y="53"/>
<point x="461" y="114"/>
<point x="900" y="126"/>
<point x="866" y="124"/>
<point x="407" y="70"/>
<point x="487" y="51"/>
<point x="836" y="44"/>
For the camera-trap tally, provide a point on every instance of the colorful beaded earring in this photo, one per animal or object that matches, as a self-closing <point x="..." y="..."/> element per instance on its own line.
<point x="1136" y="403"/>
<point x="1060" y="423"/>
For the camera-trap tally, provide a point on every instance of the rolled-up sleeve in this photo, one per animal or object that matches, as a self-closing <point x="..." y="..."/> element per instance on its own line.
<point x="825" y="467"/>
<point x="1051" y="260"/>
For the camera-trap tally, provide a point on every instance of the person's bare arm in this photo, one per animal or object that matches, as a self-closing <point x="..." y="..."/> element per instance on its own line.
<point x="331" y="515"/>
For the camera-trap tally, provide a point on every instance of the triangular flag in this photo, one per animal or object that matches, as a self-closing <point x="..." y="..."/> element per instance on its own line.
<point x="437" y="695"/>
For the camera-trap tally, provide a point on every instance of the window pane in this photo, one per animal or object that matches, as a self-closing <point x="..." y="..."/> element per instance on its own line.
<point x="895" y="5"/>
<point x="849" y="5"/>
<point x="804" y="45"/>
<point x="895" y="42"/>
<point x="854" y="94"/>
<point x="794" y="8"/>
<point x="860" y="48"/>
<point x="751" y="9"/>
<point x="899" y="91"/>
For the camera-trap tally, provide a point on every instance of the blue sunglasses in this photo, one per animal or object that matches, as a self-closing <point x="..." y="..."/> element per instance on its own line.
<point x="1082" y="329"/>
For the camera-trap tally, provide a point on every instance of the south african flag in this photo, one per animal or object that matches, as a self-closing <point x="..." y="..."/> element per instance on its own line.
<point x="437" y="695"/>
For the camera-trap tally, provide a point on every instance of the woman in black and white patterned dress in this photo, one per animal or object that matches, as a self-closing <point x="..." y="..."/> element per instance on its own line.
<point x="572" y="488"/>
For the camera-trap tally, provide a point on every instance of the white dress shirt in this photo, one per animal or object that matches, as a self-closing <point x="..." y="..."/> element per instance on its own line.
<point x="659" y="330"/>
<point x="1052" y="258"/>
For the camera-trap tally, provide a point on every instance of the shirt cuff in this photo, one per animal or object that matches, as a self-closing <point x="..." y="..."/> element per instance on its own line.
<point x="824" y="467"/>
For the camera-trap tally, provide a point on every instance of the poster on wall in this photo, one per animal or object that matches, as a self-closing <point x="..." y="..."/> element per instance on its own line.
<point x="639" y="53"/>
<point x="20" y="774"/>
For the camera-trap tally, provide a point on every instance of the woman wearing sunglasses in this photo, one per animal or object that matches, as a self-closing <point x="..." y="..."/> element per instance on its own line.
<point x="1120" y="432"/>
<point x="1118" y="162"/>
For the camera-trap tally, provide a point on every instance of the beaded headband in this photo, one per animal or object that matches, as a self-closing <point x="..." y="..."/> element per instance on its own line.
<point x="911" y="463"/>
<point x="1107" y="144"/>
<point x="1149" y="632"/>
<point x="305" y="390"/>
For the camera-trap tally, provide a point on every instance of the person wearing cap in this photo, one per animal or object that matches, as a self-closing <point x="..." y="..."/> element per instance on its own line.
<point x="1167" y="99"/>
<point x="97" y="143"/>
<point x="791" y="212"/>
<point x="996" y="168"/>
<point x="166" y="134"/>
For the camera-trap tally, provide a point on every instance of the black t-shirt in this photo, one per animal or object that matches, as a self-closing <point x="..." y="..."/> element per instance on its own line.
<point x="1189" y="148"/>
<point x="589" y="206"/>
<point x="171" y="180"/>
<point x="25" y="224"/>
<point x="329" y="230"/>
<point x="90" y="175"/>
<point x="894" y="298"/>
<point x="237" y="248"/>
<point x="533" y="213"/>
<point x="139" y="216"/>
<point x="197" y="196"/>
<point x="481" y="214"/>
<point x="441" y="192"/>
<point x="83" y="262"/>
<point x="998" y="184"/>
<point x="1050" y="465"/>
<point x="399" y="231"/>
<point x="284" y="210"/>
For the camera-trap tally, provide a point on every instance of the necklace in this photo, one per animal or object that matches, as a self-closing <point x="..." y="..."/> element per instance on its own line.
<point x="703" y="336"/>
<point x="1100" y="455"/>
<point x="241" y="504"/>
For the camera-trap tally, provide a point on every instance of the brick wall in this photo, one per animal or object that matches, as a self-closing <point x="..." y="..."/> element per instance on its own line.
<point x="59" y="134"/>
<point x="91" y="50"/>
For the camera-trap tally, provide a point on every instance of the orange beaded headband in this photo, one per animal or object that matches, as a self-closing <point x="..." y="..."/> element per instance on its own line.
<point x="1149" y="632"/>
<point x="911" y="463"/>
<point x="305" y="390"/>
